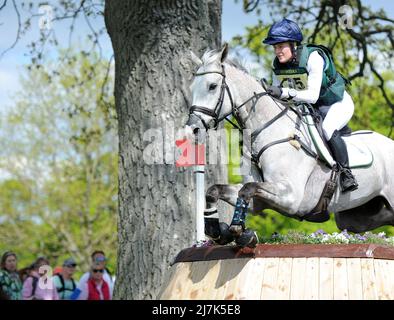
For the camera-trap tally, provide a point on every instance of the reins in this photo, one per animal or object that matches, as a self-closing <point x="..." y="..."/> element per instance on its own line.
<point x="235" y="112"/>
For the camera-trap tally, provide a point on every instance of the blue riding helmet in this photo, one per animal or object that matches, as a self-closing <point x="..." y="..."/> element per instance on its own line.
<point x="285" y="30"/>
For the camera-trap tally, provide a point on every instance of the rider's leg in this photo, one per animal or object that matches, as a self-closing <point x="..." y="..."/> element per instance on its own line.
<point x="338" y="148"/>
<point x="337" y="117"/>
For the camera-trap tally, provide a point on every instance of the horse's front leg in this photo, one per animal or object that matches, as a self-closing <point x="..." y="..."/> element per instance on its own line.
<point x="278" y="196"/>
<point x="216" y="230"/>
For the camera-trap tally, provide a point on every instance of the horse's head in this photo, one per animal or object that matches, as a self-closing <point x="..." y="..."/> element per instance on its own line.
<point x="211" y="98"/>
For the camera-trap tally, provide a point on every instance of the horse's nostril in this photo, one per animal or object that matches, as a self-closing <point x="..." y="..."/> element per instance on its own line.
<point x="195" y="130"/>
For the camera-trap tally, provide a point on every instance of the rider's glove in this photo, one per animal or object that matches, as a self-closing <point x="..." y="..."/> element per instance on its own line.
<point x="274" y="91"/>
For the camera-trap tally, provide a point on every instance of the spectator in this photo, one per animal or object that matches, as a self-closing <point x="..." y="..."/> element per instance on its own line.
<point x="96" y="288"/>
<point x="63" y="281"/>
<point x="3" y="296"/>
<point x="24" y="273"/>
<point x="57" y="270"/>
<point x="98" y="257"/>
<point x="38" y="285"/>
<point x="10" y="282"/>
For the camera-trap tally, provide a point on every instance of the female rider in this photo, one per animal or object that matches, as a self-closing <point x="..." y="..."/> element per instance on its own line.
<point x="306" y="73"/>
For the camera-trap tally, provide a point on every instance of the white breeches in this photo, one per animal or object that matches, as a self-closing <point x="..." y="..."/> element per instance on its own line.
<point x="338" y="115"/>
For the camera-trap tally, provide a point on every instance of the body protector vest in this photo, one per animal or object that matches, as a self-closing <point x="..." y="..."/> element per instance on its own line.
<point x="295" y="74"/>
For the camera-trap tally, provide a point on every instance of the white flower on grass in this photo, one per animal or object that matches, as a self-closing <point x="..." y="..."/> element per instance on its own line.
<point x="342" y="238"/>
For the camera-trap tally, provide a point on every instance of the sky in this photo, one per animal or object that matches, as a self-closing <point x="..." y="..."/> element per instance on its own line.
<point x="234" y="22"/>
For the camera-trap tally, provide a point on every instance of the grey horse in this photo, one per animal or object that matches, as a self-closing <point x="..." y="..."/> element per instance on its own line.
<point x="293" y="181"/>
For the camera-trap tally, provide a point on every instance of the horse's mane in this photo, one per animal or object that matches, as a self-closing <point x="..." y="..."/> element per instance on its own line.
<point x="211" y="56"/>
<point x="236" y="63"/>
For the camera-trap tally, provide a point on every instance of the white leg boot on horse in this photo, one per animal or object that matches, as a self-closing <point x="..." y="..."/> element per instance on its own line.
<point x="219" y="231"/>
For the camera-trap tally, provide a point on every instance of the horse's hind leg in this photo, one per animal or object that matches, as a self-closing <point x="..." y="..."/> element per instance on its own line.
<point x="375" y="213"/>
<point x="218" y="231"/>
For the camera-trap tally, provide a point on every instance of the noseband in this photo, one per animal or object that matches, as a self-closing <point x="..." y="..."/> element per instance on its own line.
<point x="215" y="113"/>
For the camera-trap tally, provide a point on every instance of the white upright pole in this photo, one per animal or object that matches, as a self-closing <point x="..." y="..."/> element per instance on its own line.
<point x="200" y="202"/>
<point x="199" y="171"/>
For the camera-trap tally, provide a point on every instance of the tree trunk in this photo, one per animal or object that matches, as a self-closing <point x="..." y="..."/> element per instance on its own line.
<point x="152" y="41"/>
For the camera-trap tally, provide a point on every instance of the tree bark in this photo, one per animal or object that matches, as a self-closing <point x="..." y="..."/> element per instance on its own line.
<point x="152" y="41"/>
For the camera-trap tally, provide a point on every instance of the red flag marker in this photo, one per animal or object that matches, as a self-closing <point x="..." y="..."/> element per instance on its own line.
<point x="190" y="153"/>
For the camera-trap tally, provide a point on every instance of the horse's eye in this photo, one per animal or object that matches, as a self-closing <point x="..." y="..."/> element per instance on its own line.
<point x="212" y="86"/>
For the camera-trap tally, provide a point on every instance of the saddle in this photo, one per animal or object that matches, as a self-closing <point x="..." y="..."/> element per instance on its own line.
<point x="359" y="154"/>
<point x="359" y="157"/>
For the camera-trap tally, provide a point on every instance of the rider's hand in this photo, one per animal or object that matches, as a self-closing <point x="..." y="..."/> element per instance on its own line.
<point x="274" y="91"/>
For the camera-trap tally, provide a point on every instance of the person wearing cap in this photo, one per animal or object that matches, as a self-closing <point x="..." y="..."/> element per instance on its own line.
<point x="307" y="74"/>
<point x="10" y="282"/>
<point x="96" y="288"/>
<point x="98" y="257"/>
<point x="63" y="281"/>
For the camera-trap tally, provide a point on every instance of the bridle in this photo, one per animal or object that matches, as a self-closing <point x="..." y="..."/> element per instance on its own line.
<point x="215" y="115"/>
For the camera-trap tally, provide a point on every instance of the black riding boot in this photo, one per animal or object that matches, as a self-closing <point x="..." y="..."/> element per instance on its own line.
<point x="339" y="150"/>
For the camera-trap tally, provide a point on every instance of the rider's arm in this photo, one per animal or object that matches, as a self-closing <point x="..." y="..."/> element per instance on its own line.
<point x="275" y="81"/>
<point x="315" y="69"/>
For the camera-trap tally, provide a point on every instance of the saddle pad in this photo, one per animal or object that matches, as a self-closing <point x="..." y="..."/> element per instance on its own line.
<point x="359" y="154"/>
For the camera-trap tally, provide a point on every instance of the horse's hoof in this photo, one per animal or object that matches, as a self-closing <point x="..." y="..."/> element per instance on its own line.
<point x="212" y="228"/>
<point x="225" y="234"/>
<point x="247" y="239"/>
<point x="236" y="230"/>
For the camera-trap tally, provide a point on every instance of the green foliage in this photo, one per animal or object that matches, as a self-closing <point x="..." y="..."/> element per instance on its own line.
<point x="58" y="191"/>
<point x="274" y="222"/>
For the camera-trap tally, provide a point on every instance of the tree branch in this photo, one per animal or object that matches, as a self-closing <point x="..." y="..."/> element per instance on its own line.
<point x="18" y="30"/>
<point x="251" y="5"/>
<point x="3" y="5"/>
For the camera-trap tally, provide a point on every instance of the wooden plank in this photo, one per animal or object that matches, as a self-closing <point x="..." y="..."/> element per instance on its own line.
<point x="254" y="282"/>
<point x="231" y="288"/>
<point x="181" y="278"/>
<point x="186" y="288"/>
<point x="341" y="291"/>
<point x="326" y="278"/>
<point x="246" y="280"/>
<point x="287" y="251"/>
<point x="227" y="272"/>
<point x="202" y="280"/>
<point x="390" y="276"/>
<point x="297" y="288"/>
<point x="284" y="278"/>
<point x="221" y="281"/>
<point x="311" y="279"/>
<point x="368" y="279"/>
<point x="170" y="283"/>
<point x="270" y="285"/>
<point x="354" y="279"/>
<point x="384" y="286"/>
<point x="209" y="292"/>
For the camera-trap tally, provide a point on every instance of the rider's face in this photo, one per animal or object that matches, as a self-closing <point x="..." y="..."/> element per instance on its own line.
<point x="283" y="52"/>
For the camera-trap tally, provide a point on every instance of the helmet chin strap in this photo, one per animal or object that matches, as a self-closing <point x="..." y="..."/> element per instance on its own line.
<point x="293" y="47"/>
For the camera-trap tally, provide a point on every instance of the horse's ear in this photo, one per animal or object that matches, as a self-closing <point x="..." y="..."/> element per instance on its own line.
<point x="196" y="60"/>
<point x="224" y="52"/>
